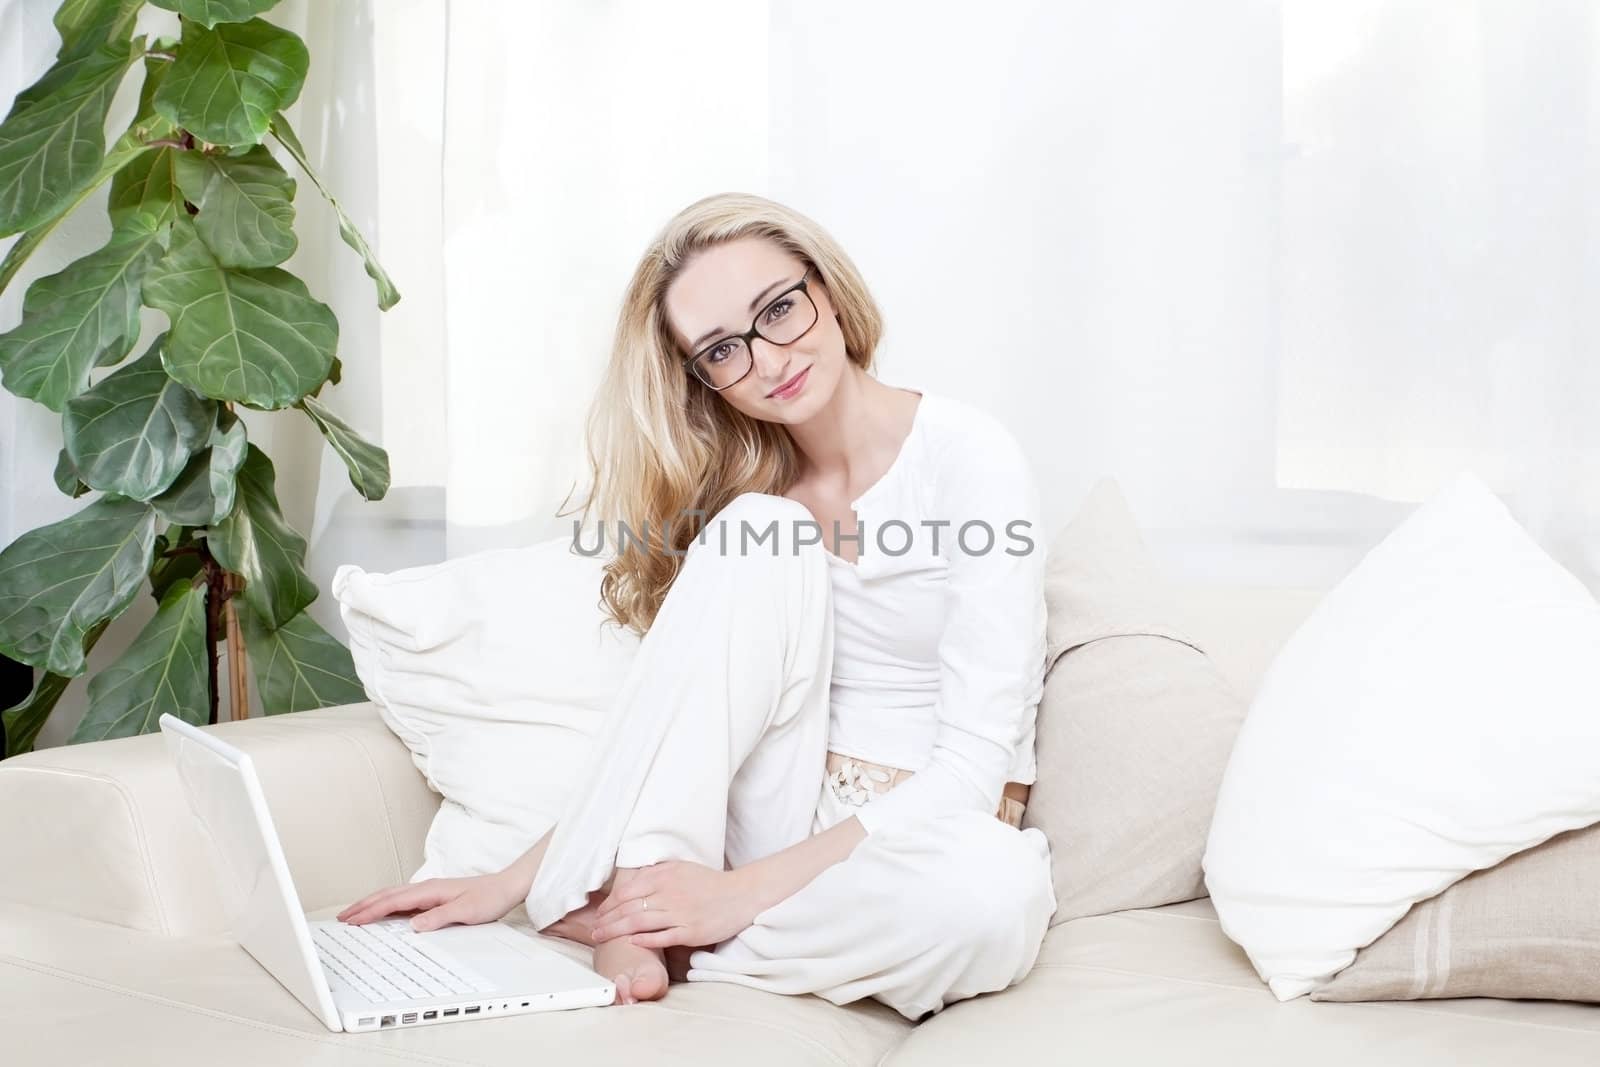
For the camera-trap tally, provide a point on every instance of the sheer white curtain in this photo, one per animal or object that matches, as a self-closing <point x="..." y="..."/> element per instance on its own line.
<point x="1281" y="267"/>
<point x="572" y="132"/>
<point x="1278" y="265"/>
<point x="1441" y="237"/>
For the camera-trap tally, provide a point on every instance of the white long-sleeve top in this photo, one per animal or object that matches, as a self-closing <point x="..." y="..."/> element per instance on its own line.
<point x="938" y="660"/>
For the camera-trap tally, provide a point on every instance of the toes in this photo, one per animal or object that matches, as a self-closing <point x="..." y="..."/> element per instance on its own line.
<point x="648" y="985"/>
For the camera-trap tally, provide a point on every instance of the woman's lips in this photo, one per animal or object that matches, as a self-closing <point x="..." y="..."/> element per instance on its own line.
<point x="790" y="388"/>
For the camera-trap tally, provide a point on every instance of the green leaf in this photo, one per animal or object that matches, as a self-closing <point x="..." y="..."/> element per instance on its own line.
<point x="252" y="336"/>
<point x="333" y="377"/>
<point x="85" y="25"/>
<point x="299" y="666"/>
<point x="388" y="295"/>
<point x="69" y="66"/>
<point x="255" y="541"/>
<point x="66" y="476"/>
<point x="22" y="249"/>
<point x="85" y="316"/>
<point x="228" y="80"/>
<point x="23" y="721"/>
<point x="59" y="580"/>
<point x="227" y="456"/>
<point x="147" y="184"/>
<point x="210" y="12"/>
<point x="368" y="464"/>
<point x="188" y="499"/>
<point x="166" y="570"/>
<point x="203" y="492"/>
<point x="133" y="431"/>
<point x="165" y="669"/>
<point x="128" y="150"/>
<point x="246" y="212"/>
<point x="54" y="141"/>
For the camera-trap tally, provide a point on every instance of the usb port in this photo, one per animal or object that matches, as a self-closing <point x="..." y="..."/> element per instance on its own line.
<point x="451" y="1011"/>
<point x="474" y="1010"/>
<point x="369" y="1020"/>
<point x="409" y="1017"/>
<point x="429" y="1015"/>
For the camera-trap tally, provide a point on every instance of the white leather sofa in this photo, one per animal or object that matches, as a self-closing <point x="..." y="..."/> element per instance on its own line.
<point x="113" y="947"/>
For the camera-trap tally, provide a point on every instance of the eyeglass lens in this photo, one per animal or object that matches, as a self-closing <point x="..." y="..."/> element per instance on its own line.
<point x="780" y="322"/>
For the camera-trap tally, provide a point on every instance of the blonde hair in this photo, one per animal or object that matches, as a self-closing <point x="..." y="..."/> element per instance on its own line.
<point x="660" y="443"/>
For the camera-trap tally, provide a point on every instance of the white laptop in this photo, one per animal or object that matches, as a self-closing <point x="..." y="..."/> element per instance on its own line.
<point x="368" y="977"/>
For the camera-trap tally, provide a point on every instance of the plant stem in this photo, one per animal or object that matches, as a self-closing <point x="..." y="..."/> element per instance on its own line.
<point x="238" y="687"/>
<point x="216" y="593"/>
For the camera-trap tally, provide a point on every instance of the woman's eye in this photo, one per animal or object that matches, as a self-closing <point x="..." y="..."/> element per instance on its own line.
<point x="777" y="311"/>
<point x="717" y="353"/>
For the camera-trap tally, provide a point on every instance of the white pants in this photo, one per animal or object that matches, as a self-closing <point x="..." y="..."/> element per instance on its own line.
<point x="715" y="753"/>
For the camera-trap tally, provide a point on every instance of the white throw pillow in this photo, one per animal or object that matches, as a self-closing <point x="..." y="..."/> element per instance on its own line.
<point x="1437" y="712"/>
<point x="495" y="669"/>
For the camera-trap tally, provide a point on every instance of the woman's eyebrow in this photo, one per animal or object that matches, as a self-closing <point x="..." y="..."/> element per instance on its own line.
<point x="718" y="330"/>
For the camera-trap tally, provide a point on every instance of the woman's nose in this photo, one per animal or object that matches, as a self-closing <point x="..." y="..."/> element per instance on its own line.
<point x="770" y="359"/>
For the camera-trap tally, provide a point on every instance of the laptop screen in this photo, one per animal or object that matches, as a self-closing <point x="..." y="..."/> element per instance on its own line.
<point x="258" y="895"/>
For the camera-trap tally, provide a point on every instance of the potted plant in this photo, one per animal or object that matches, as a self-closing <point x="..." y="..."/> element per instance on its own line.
<point x="202" y="216"/>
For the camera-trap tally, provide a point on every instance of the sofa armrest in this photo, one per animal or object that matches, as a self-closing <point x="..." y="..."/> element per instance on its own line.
<point x="103" y="830"/>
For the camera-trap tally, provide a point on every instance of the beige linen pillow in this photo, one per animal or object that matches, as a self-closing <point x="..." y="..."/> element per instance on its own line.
<point x="1134" y="726"/>
<point x="1528" y="927"/>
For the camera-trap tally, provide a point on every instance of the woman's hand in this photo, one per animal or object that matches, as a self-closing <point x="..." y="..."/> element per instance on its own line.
<point x="689" y="904"/>
<point x="485" y="898"/>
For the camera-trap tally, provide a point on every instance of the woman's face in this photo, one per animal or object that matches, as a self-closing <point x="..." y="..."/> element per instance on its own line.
<point x="722" y="290"/>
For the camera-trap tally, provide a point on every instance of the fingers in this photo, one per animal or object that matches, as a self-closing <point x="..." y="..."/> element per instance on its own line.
<point x="635" y="922"/>
<point x="631" y="885"/>
<point x="618" y="897"/>
<point x="676" y="935"/>
<point x="443" y="915"/>
<point x="393" y="899"/>
<point x="366" y="900"/>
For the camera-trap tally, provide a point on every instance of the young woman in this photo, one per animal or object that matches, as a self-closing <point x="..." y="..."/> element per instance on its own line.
<point x="813" y="778"/>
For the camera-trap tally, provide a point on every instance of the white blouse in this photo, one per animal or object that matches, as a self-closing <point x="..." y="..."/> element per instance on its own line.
<point x="939" y="639"/>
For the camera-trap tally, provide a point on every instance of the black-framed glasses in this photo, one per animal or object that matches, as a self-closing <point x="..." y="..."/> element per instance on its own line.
<point x="785" y="319"/>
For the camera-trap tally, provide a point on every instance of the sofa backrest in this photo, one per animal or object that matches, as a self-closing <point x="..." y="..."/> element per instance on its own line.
<point x="1242" y="627"/>
<point x="103" y="830"/>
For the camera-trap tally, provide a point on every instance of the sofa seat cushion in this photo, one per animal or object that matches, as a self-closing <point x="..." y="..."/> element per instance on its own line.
<point x="74" y="990"/>
<point x="1165" y="985"/>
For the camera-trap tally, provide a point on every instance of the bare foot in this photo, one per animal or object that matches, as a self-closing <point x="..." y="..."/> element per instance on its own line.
<point x="639" y="973"/>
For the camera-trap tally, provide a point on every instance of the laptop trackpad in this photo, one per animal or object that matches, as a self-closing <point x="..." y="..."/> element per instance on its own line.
<point x="510" y="958"/>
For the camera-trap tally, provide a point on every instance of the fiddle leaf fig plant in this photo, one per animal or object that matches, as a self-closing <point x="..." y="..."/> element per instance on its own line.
<point x="202" y="215"/>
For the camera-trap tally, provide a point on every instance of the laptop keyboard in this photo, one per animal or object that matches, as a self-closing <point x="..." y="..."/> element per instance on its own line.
<point x="381" y="964"/>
